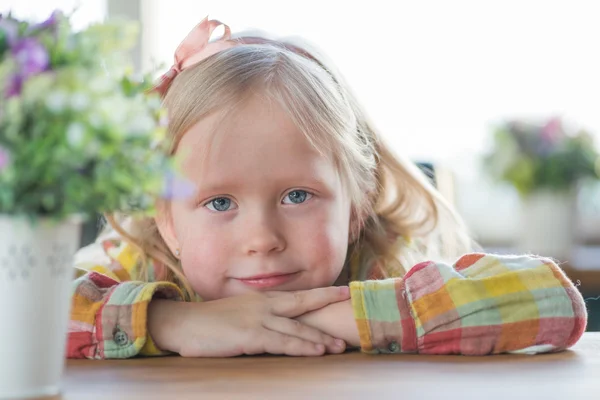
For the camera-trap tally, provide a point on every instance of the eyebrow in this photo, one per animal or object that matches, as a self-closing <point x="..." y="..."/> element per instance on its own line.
<point x="229" y="187"/>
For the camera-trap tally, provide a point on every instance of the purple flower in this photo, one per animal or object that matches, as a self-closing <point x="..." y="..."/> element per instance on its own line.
<point x="14" y="87"/>
<point x="51" y="22"/>
<point x="4" y="158"/>
<point x="31" y="56"/>
<point x="177" y="187"/>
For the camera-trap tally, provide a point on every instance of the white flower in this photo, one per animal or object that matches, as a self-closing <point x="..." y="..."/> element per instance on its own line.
<point x="100" y="84"/>
<point x="92" y="148"/>
<point x="114" y="110"/>
<point x="79" y="101"/>
<point x="56" y="101"/>
<point x="95" y="120"/>
<point x="75" y="134"/>
<point x="154" y="102"/>
<point x="142" y="124"/>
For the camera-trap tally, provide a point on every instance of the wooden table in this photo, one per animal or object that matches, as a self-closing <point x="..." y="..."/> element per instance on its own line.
<point x="574" y="374"/>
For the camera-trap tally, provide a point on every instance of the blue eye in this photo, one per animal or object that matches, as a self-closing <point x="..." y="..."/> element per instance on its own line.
<point x="297" y="197"/>
<point x="219" y="204"/>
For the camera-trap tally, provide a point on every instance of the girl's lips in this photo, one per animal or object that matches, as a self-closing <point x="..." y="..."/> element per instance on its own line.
<point x="268" y="281"/>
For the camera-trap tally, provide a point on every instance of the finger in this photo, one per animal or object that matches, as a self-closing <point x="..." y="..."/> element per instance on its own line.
<point x="301" y="302"/>
<point x="274" y="294"/>
<point x="292" y="327"/>
<point x="279" y="343"/>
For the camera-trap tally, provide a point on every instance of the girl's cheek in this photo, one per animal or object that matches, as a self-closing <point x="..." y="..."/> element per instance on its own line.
<point x="201" y="275"/>
<point x="203" y="257"/>
<point x="202" y="251"/>
<point x="328" y="247"/>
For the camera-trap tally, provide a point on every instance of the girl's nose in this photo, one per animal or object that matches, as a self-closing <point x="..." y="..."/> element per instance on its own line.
<point x="262" y="236"/>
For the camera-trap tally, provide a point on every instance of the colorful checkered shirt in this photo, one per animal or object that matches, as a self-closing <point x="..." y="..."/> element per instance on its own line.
<point x="109" y="304"/>
<point x="483" y="304"/>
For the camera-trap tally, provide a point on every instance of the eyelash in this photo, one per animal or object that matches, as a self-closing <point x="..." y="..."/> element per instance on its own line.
<point x="309" y="196"/>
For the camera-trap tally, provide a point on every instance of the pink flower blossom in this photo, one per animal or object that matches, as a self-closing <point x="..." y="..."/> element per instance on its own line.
<point x="4" y="158"/>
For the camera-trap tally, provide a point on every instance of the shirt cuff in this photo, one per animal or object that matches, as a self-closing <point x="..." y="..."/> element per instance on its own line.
<point x="383" y="317"/>
<point x="122" y="321"/>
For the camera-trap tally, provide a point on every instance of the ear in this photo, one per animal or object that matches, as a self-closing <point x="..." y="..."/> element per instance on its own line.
<point x="166" y="228"/>
<point x="354" y="227"/>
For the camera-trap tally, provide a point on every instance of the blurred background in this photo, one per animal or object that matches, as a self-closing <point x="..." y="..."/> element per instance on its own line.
<point x="501" y="97"/>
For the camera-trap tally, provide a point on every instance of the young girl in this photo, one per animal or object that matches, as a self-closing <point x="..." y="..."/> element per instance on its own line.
<point x="295" y="197"/>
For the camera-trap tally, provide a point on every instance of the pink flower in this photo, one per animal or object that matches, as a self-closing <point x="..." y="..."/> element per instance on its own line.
<point x="4" y="158"/>
<point x="552" y="131"/>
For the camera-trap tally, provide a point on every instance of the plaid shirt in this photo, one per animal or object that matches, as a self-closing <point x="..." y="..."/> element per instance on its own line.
<point x="483" y="304"/>
<point x="109" y="305"/>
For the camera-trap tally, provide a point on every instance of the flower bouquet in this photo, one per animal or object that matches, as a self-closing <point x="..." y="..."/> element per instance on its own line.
<point x="544" y="163"/>
<point x="541" y="157"/>
<point x="79" y="135"/>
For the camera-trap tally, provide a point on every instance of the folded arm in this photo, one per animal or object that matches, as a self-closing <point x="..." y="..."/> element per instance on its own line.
<point x="483" y="304"/>
<point x="109" y="310"/>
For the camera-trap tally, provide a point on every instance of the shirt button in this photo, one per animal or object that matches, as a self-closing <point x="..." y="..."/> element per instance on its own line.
<point x="120" y="338"/>
<point x="394" y="347"/>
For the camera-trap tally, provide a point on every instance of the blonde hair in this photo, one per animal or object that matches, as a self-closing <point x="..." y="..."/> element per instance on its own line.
<point x="398" y="217"/>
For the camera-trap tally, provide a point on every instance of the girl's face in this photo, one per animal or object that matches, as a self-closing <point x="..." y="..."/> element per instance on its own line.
<point x="269" y="213"/>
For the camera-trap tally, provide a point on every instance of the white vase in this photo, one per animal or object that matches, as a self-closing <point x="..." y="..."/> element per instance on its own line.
<point x="547" y="224"/>
<point x="35" y="289"/>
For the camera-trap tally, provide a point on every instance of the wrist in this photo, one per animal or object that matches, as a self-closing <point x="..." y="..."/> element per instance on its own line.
<point x="165" y="318"/>
<point x="346" y="323"/>
<point x="336" y="320"/>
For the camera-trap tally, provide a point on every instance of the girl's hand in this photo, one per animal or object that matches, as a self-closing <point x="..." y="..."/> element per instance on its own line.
<point x="251" y="324"/>
<point x="336" y="320"/>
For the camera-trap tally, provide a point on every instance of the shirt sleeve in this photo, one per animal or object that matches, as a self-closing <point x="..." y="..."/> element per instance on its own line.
<point x="109" y="310"/>
<point x="483" y="304"/>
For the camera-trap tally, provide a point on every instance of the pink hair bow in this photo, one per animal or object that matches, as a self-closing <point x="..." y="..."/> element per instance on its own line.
<point x="193" y="49"/>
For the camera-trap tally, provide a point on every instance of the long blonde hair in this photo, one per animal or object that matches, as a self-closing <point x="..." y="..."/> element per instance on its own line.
<point x="398" y="217"/>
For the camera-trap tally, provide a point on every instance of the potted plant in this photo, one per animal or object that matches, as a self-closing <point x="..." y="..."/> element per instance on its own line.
<point x="78" y="136"/>
<point x="544" y="162"/>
